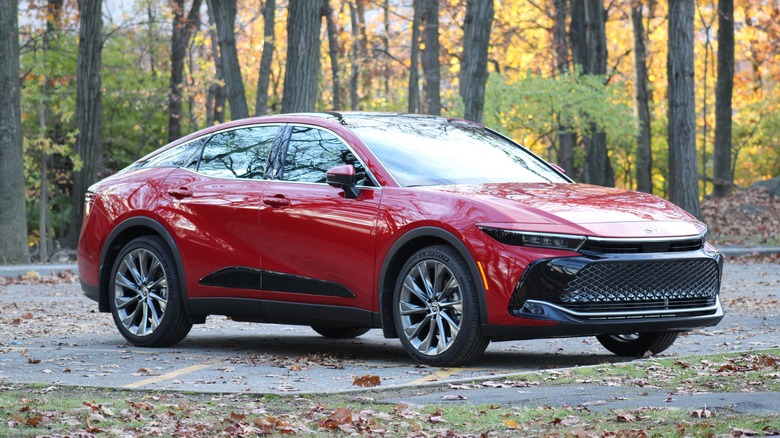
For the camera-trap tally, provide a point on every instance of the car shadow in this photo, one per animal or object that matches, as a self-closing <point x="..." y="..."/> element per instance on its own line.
<point x="377" y="351"/>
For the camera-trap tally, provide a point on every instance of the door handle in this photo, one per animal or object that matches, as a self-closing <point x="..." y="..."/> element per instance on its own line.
<point x="276" y="201"/>
<point x="180" y="193"/>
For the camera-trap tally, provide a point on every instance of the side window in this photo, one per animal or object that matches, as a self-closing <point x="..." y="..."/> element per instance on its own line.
<point x="311" y="152"/>
<point x="176" y="156"/>
<point x="238" y="153"/>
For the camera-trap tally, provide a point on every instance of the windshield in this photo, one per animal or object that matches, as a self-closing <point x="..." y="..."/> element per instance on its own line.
<point x="420" y="151"/>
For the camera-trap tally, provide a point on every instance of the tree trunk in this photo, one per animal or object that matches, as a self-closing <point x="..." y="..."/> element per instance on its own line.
<point x="215" y="98"/>
<point x="366" y="73"/>
<point x="589" y="48"/>
<point x="182" y="30"/>
<point x="722" y="173"/>
<point x="473" y="64"/>
<point x="224" y="13"/>
<point x="333" y="52"/>
<point x="13" y="215"/>
<point x="269" y="43"/>
<point x="49" y="126"/>
<point x="414" y="72"/>
<point x="683" y="174"/>
<point x="89" y="110"/>
<point x="430" y="61"/>
<point x="354" y="59"/>
<point x="567" y="140"/>
<point x="303" y="56"/>
<point x="644" y="158"/>
<point x="386" y="45"/>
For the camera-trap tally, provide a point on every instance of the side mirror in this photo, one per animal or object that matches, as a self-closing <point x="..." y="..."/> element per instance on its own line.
<point x="343" y="177"/>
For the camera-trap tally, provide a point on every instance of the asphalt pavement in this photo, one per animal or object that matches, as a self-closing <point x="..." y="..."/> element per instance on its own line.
<point x="54" y="336"/>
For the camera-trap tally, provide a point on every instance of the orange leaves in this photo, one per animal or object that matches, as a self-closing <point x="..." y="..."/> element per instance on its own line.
<point x="367" y="381"/>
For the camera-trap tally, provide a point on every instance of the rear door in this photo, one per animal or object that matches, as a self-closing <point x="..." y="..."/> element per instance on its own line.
<point x="212" y="207"/>
<point x="318" y="246"/>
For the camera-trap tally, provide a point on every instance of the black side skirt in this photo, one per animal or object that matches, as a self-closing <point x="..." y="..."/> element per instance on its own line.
<point x="279" y="312"/>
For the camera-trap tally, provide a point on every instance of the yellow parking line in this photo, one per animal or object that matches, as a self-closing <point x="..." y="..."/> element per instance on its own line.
<point x="171" y="375"/>
<point x="438" y="375"/>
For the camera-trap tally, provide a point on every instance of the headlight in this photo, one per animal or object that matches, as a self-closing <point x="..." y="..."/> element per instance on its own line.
<point x="538" y="240"/>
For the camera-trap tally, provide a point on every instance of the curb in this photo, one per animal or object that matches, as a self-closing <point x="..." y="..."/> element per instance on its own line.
<point x="17" y="270"/>
<point x="739" y="251"/>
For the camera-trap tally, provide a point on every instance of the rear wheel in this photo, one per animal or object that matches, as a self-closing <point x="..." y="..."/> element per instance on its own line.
<point x="436" y="308"/>
<point x="637" y="344"/>
<point x="145" y="294"/>
<point x="340" y="332"/>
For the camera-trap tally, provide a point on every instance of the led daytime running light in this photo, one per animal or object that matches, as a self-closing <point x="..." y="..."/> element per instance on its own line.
<point x="537" y="240"/>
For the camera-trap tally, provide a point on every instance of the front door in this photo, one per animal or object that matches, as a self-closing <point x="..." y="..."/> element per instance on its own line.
<point x="318" y="246"/>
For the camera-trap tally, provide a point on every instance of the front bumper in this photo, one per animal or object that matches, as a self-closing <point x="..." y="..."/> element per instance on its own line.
<point x="597" y="294"/>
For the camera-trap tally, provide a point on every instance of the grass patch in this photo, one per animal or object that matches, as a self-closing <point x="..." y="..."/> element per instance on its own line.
<point x="33" y="410"/>
<point x="751" y="372"/>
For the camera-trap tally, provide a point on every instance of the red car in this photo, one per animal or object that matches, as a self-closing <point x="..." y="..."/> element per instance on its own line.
<point x="441" y="232"/>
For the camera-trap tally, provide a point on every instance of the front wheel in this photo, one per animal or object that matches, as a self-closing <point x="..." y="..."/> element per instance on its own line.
<point x="637" y="344"/>
<point x="436" y="308"/>
<point x="145" y="294"/>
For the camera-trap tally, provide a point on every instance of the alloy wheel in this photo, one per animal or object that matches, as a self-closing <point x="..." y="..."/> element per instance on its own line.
<point x="431" y="307"/>
<point x="140" y="292"/>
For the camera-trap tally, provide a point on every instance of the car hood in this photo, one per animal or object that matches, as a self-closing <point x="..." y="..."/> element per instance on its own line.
<point x="580" y="208"/>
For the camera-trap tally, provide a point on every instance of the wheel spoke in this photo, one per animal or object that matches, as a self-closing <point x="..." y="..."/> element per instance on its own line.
<point x="130" y="264"/>
<point x="413" y="330"/>
<point x="425" y="346"/>
<point x="124" y="302"/>
<point x="454" y="327"/>
<point x="411" y="309"/>
<point x="442" y="343"/>
<point x="422" y="270"/>
<point x="413" y="288"/>
<point x="125" y="283"/>
<point x="155" y="317"/>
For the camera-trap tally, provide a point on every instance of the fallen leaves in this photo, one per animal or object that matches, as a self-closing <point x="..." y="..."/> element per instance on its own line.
<point x="367" y="381"/>
<point x="748" y="217"/>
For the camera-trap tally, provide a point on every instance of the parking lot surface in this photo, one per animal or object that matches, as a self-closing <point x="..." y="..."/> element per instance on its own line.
<point x="53" y="335"/>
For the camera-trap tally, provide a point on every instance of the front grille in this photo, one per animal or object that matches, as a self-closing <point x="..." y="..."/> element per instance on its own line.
<point x="618" y="246"/>
<point x="644" y="286"/>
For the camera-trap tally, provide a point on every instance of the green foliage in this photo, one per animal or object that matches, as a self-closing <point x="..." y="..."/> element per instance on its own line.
<point x="135" y="117"/>
<point x="535" y="109"/>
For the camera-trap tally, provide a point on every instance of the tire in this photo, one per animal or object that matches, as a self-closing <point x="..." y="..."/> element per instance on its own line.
<point x="436" y="308"/>
<point x="638" y="344"/>
<point x="145" y="294"/>
<point x="340" y="332"/>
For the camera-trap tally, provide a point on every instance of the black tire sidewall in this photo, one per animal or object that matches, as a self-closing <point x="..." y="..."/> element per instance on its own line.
<point x="655" y="343"/>
<point x="469" y="335"/>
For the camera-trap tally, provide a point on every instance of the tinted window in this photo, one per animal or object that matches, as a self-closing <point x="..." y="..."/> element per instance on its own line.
<point x="312" y="152"/>
<point x="434" y="151"/>
<point x="176" y="156"/>
<point x="238" y="153"/>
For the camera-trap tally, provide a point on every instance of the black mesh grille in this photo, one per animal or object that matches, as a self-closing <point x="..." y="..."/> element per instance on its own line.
<point x="642" y="286"/>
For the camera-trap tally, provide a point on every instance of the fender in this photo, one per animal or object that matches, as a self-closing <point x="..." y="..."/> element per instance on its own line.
<point x="145" y="222"/>
<point x="386" y="315"/>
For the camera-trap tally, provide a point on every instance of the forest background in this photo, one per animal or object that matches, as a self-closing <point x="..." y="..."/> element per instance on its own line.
<point x="164" y="73"/>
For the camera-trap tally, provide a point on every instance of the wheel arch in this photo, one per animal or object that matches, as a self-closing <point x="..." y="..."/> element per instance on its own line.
<point x="126" y="231"/>
<point x="400" y="252"/>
